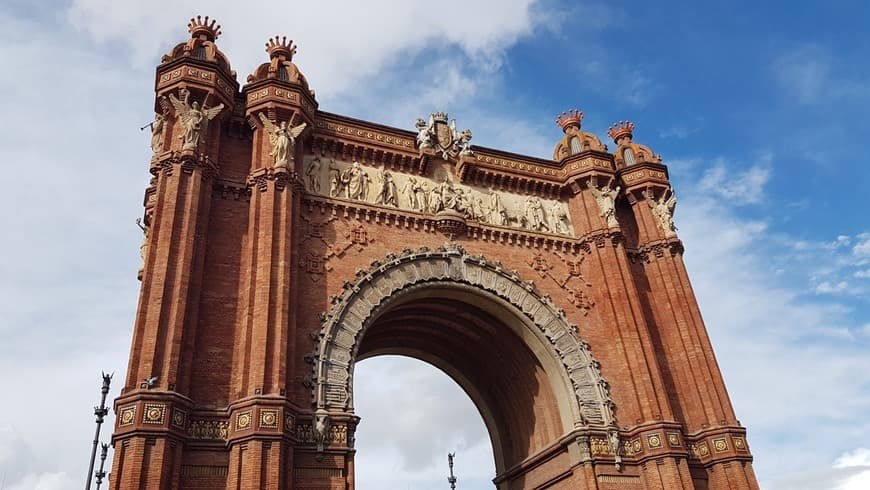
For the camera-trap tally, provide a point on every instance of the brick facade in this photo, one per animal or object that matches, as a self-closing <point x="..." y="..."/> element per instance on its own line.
<point x="564" y="311"/>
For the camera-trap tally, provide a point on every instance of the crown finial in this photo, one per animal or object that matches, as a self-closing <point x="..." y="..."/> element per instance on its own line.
<point x="621" y="129"/>
<point x="201" y="27"/>
<point x="278" y="46"/>
<point x="572" y="117"/>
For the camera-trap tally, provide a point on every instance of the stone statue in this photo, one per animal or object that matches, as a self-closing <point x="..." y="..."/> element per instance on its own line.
<point x="321" y="428"/>
<point x="354" y="180"/>
<point x="534" y="214"/>
<point x="194" y="119"/>
<point x="283" y="140"/>
<point x="387" y="194"/>
<point x="410" y="192"/>
<point x="143" y="248"/>
<point x="424" y="132"/>
<point x="663" y="210"/>
<point x="465" y="143"/>
<point x="443" y="137"/>
<point x="422" y="192"/>
<point x="606" y="198"/>
<point x="158" y="129"/>
<point x="312" y="175"/>
<point x="560" y="218"/>
<point x="334" y="180"/>
<point x="613" y="439"/>
<point x="497" y="212"/>
<point x="478" y="210"/>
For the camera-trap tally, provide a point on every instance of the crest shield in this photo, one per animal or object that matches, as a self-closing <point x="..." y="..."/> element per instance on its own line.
<point x="443" y="135"/>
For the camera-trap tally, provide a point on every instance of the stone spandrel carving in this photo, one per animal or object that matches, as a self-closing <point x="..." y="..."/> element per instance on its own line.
<point x="378" y="186"/>
<point x="663" y="210"/>
<point x="606" y="198"/>
<point x="194" y="119"/>
<point x="282" y="138"/>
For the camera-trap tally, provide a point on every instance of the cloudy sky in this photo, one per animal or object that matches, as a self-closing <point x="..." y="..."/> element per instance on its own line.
<point x="758" y="108"/>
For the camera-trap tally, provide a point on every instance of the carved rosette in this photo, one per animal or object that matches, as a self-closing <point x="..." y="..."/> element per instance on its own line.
<point x="352" y="310"/>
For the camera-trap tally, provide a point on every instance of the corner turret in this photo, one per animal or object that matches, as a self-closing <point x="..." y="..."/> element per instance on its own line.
<point x="575" y="141"/>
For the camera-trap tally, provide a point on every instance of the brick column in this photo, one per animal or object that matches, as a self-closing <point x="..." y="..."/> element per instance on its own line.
<point x="261" y="417"/>
<point x="152" y="414"/>
<point x="695" y="385"/>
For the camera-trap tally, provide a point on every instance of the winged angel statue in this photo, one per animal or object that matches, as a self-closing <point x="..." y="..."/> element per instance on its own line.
<point x="283" y="140"/>
<point x="194" y="119"/>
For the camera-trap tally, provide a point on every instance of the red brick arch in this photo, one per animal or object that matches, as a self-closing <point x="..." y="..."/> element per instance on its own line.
<point x="470" y="282"/>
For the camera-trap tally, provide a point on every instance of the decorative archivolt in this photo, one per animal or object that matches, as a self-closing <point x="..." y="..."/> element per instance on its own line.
<point x="343" y="327"/>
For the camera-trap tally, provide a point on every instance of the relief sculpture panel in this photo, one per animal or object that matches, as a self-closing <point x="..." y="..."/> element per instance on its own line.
<point x="431" y="195"/>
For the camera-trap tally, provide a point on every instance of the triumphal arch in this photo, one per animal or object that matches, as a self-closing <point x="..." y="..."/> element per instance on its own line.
<point x="284" y="243"/>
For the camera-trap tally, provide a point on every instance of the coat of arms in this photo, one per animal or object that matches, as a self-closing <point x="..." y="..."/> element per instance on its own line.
<point x="442" y="137"/>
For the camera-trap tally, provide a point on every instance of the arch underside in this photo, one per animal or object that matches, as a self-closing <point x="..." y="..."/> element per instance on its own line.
<point x="507" y="345"/>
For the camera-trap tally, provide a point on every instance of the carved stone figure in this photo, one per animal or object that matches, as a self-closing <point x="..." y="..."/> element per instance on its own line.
<point x="321" y="428"/>
<point x="465" y="143"/>
<point x="442" y="137"/>
<point x="194" y="119"/>
<point x="478" y="210"/>
<point x="606" y="198"/>
<point x="534" y="214"/>
<point x="424" y="135"/>
<point x="354" y="180"/>
<point x="312" y="175"/>
<point x="158" y="129"/>
<point x="387" y="193"/>
<point x="497" y="212"/>
<point x="559" y="218"/>
<point x="663" y="210"/>
<point x="143" y="248"/>
<point x="422" y="192"/>
<point x="410" y="191"/>
<point x="283" y="140"/>
<point x="614" y="446"/>
<point x="334" y="180"/>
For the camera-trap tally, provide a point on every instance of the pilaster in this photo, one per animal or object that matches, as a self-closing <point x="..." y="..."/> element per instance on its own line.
<point x="280" y="108"/>
<point x="695" y="385"/>
<point x="622" y="328"/>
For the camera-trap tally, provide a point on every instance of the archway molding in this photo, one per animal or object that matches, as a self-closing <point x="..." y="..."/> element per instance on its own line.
<point x="357" y="307"/>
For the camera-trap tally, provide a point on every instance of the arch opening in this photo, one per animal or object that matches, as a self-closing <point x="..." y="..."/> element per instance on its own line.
<point x="412" y="415"/>
<point x="514" y="353"/>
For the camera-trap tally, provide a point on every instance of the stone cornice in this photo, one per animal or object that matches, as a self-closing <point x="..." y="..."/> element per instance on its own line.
<point x="656" y="249"/>
<point x="187" y="161"/>
<point x="190" y="72"/>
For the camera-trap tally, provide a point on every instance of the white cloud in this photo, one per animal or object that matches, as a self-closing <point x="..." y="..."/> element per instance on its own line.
<point x="828" y="288"/>
<point x="739" y="187"/>
<point x="862" y="247"/>
<point x="803" y="72"/>
<point x="810" y="74"/>
<point x="412" y="416"/>
<point x="335" y="59"/>
<point x="858" y="457"/>
<point x="782" y="356"/>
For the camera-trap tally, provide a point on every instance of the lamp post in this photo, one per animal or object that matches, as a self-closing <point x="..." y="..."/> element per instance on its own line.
<point x="101" y="473"/>
<point x="451" y="479"/>
<point x="100" y="412"/>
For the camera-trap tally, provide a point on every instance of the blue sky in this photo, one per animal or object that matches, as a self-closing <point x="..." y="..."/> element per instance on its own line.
<point x="758" y="108"/>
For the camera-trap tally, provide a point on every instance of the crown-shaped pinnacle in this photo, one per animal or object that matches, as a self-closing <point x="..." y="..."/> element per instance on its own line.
<point x="281" y="45"/>
<point x="621" y="129"/>
<point x="200" y="26"/>
<point x="572" y="117"/>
